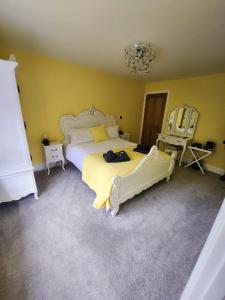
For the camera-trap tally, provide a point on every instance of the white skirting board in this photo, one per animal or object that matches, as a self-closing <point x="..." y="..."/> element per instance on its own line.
<point x="208" y="167"/>
<point x="214" y="169"/>
<point x="39" y="167"/>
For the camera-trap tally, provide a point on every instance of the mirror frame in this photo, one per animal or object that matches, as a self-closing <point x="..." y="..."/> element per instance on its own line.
<point x="191" y="110"/>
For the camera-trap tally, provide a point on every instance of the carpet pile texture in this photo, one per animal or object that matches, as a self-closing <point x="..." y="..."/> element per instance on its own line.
<point x="60" y="248"/>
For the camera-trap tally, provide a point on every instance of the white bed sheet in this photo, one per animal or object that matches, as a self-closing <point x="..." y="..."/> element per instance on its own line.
<point x="76" y="154"/>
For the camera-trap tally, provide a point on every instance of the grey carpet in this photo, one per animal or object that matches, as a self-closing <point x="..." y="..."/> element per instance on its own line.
<point x="60" y="248"/>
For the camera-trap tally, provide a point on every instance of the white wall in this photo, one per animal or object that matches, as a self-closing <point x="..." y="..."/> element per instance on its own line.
<point x="207" y="281"/>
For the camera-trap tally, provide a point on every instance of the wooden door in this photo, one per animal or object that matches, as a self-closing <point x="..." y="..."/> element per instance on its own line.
<point x="153" y="117"/>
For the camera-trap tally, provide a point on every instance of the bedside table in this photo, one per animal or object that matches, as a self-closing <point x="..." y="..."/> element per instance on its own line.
<point x="125" y="136"/>
<point x="53" y="154"/>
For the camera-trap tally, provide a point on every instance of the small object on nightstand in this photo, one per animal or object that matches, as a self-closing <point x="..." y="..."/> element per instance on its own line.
<point x="53" y="154"/>
<point x="125" y="136"/>
<point x="45" y="140"/>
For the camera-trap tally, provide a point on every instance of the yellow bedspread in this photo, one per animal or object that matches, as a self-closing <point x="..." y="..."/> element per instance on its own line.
<point x="98" y="174"/>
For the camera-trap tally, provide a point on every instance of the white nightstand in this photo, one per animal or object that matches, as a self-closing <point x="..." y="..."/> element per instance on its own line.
<point x="125" y="136"/>
<point x="53" y="154"/>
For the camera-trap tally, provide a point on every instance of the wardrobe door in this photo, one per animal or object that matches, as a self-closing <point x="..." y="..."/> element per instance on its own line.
<point x="14" y="149"/>
<point x="14" y="152"/>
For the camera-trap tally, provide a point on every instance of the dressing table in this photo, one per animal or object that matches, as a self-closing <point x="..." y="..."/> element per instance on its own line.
<point x="180" y="127"/>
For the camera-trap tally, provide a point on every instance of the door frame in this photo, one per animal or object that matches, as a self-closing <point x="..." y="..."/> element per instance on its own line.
<point x="143" y="109"/>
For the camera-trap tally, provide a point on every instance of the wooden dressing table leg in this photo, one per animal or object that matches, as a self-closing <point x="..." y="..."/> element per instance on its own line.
<point x="182" y="154"/>
<point x="63" y="164"/>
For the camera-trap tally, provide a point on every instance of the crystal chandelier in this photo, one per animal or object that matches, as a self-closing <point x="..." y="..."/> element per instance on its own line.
<point x="139" y="57"/>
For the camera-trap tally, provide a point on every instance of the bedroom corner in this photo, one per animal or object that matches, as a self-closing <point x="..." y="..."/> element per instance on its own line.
<point x="50" y="88"/>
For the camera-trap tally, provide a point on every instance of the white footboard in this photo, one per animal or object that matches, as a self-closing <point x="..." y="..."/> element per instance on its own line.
<point x="153" y="168"/>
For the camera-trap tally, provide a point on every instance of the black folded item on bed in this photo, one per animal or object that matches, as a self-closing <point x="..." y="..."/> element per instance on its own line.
<point x="114" y="157"/>
<point x="142" y="148"/>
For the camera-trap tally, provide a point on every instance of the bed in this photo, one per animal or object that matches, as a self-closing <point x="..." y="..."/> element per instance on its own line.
<point x="150" y="169"/>
<point x="77" y="154"/>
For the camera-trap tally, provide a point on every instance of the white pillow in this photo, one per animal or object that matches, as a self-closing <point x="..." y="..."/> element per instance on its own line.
<point x="113" y="131"/>
<point x="81" y="135"/>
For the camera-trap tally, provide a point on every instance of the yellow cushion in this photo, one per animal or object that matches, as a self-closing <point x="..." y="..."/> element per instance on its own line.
<point x="99" y="133"/>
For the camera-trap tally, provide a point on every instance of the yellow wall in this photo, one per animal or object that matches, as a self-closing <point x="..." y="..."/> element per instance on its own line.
<point x="51" y="88"/>
<point x="207" y="95"/>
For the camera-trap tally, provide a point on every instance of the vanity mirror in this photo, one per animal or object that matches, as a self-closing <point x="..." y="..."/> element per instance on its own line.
<point x="182" y="121"/>
<point x="180" y="127"/>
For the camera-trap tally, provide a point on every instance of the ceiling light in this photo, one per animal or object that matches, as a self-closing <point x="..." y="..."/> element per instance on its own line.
<point x="139" y="56"/>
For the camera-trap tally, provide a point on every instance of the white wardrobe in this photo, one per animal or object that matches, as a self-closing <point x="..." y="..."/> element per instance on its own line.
<point x="16" y="170"/>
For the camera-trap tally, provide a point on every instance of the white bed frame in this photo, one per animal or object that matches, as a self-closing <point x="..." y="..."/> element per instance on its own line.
<point x="151" y="169"/>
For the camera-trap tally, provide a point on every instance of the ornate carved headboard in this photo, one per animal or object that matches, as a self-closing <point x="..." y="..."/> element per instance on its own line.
<point x="87" y="118"/>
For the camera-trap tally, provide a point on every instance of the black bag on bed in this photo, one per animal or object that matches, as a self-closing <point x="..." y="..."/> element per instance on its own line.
<point x="142" y="148"/>
<point x="113" y="157"/>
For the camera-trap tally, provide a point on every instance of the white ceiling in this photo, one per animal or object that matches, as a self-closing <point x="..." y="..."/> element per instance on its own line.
<point x="189" y="34"/>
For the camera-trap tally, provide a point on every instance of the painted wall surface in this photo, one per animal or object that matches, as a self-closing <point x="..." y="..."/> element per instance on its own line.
<point x="207" y="95"/>
<point x="51" y="88"/>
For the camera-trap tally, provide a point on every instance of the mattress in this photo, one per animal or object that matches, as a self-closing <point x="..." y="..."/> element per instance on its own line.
<point x="77" y="153"/>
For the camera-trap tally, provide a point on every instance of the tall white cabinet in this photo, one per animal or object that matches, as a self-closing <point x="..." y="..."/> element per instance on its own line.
<point x="16" y="170"/>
